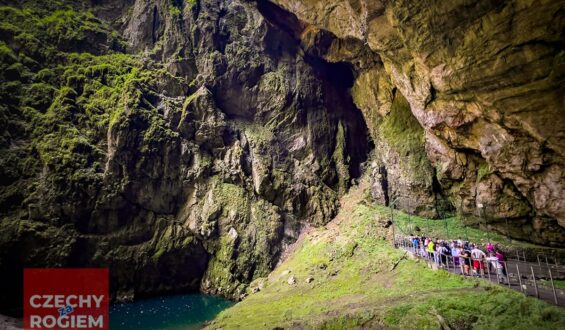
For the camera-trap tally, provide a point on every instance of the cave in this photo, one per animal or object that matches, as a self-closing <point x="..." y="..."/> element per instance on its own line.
<point x="241" y="149"/>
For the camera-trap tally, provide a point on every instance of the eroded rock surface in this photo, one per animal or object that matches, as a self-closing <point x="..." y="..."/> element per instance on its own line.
<point x="184" y="144"/>
<point x="484" y="79"/>
<point x="220" y="140"/>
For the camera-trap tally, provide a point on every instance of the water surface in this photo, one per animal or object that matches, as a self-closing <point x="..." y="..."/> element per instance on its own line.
<point x="178" y="312"/>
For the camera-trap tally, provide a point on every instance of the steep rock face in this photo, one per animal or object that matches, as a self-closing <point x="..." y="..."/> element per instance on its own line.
<point x="485" y="81"/>
<point x="185" y="143"/>
<point x="187" y="162"/>
<point x="402" y="174"/>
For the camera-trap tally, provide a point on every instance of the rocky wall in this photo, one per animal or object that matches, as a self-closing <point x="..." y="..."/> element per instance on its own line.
<point x="484" y="79"/>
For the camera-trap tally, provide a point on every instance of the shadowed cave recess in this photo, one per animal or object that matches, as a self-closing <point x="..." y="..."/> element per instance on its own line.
<point x="202" y="136"/>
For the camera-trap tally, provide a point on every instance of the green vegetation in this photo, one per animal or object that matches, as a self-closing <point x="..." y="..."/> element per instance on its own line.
<point x="258" y="133"/>
<point x="173" y="237"/>
<point x="450" y="228"/>
<point x="482" y="171"/>
<point x="175" y="11"/>
<point x="405" y="135"/>
<point x="559" y="284"/>
<point x="237" y="251"/>
<point x="401" y="129"/>
<point x="339" y="157"/>
<point x="64" y="84"/>
<point x="359" y="280"/>
<point x="191" y="3"/>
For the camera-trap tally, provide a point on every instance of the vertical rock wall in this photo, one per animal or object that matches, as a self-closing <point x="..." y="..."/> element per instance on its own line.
<point x="485" y="81"/>
<point x="192" y="152"/>
<point x="184" y="143"/>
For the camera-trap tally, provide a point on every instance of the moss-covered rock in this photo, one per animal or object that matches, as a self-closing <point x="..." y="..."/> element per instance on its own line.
<point x="483" y="80"/>
<point x="190" y="137"/>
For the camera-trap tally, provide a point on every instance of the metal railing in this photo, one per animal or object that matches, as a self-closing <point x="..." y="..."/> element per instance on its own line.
<point x="529" y="278"/>
<point x="551" y="261"/>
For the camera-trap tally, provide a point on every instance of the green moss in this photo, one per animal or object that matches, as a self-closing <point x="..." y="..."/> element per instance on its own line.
<point x="63" y="26"/>
<point x="217" y="270"/>
<point x="172" y="238"/>
<point x="41" y="33"/>
<point x="7" y="55"/>
<point x="403" y="133"/>
<point x="401" y="129"/>
<point x="45" y="75"/>
<point x="157" y="134"/>
<point x="234" y="198"/>
<point x="339" y="157"/>
<point x="174" y="11"/>
<point x="257" y="133"/>
<point x="258" y="226"/>
<point x="482" y="171"/>
<point x="355" y="285"/>
<point x="191" y="3"/>
<point x="38" y="96"/>
<point x="164" y="243"/>
<point x="58" y="149"/>
<point x="59" y="104"/>
<point x="186" y="105"/>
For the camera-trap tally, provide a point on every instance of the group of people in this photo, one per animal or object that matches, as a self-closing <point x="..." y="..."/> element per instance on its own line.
<point x="467" y="256"/>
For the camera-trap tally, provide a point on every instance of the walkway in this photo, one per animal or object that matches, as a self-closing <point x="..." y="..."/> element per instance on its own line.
<point x="527" y="277"/>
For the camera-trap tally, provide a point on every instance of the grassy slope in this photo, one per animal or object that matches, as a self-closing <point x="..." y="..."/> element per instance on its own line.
<point x="354" y="285"/>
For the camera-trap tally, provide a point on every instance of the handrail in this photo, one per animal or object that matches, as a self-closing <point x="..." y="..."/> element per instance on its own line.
<point x="491" y="269"/>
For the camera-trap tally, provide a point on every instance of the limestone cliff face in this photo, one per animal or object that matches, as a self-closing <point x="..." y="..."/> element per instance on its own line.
<point x="266" y="141"/>
<point x="484" y="79"/>
<point x="184" y="154"/>
<point x="183" y="144"/>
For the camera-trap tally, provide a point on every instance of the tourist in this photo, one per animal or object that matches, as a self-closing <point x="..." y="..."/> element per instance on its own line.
<point x="466" y="246"/>
<point x="422" y="247"/>
<point x="431" y="250"/>
<point x="478" y="257"/>
<point x="500" y="274"/>
<point x="455" y="252"/>
<point x="437" y="254"/>
<point x="445" y="252"/>
<point x="415" y="244"/>
<point x="467" y="256"/>
<point x="466" y="264"/>
<point x="490" y="248"/>
<point x="502" y="260"/>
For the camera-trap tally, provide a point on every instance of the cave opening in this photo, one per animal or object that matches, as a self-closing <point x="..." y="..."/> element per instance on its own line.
<point x="337" y="78"/>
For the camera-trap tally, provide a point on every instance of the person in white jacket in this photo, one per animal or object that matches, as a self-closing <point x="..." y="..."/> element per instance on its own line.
<point x="501" y="277"/>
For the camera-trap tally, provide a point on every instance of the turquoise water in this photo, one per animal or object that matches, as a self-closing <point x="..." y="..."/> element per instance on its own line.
<point x="179" y="312"/>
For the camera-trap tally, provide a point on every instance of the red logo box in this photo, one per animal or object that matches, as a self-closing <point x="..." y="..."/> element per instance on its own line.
<point x="66" y="298"/>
